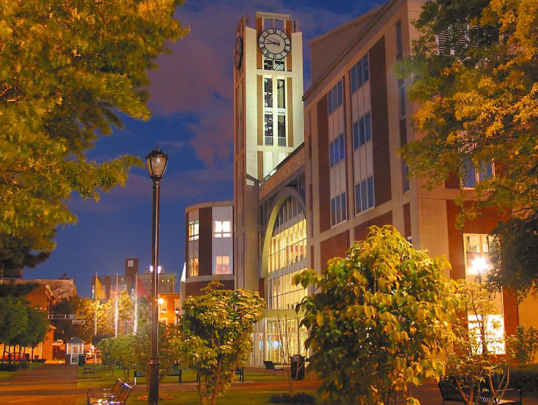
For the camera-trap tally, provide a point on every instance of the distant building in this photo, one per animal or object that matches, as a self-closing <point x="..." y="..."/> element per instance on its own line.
<point x="169" y="308"/>
<point x="107" y="286"/>
<point x="63" y="288"/>
<point x="209" y="245"/>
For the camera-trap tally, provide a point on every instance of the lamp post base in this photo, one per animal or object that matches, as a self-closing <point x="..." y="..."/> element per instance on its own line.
<point x="153" y="379"/>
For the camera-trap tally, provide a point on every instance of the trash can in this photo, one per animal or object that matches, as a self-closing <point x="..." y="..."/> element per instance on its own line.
<point x="81" y="360"/>
<point x="297" y="367"/>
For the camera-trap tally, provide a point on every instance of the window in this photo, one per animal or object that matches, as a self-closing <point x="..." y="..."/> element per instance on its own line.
<point x="338" y="209"/>
<point x="130" y="263"/>
<point x="337" y="150"/>
<point x="399" y="42"/>
<point x="401" y="96"/>
<point x="405" y="177"/>
<point x="164" y="305"/>
<point x="194" y="230"/>
<point x="359" y="74"/>
<point x="281" y="130"/>
<point x="223" y="229"/>
<point x="268" y="92"/>
<point x="281" y="93"/>
<point x="472" y="176"/>
<point x="364" y="195"/>
<point x="268" y="129"/>
<point x="193" y="269"/>
<point x="222" y="265"/>
<point x="335" y="97"/>
<point x="270" y="64"/>
<point x="362" y="131"/>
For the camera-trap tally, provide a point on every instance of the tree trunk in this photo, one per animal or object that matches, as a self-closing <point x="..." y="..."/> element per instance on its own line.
<point x="213" y="400"/>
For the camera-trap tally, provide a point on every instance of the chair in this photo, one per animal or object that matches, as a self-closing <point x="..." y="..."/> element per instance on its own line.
<point x="120" y="399"/>
<point x="95" y="394"/>
<point x="269" y="365"/>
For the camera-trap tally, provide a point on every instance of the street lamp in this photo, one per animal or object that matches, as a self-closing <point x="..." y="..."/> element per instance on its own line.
<point x="177" y="315"/>
<point x="156" y="162"/>
<point x="480" y="265"/>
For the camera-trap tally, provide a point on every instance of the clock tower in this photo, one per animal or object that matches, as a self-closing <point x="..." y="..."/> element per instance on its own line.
<point x="268" y="123"/>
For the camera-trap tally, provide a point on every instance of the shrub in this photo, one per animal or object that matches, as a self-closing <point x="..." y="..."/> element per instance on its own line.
<point x="524" y="377"/>
<point x="13" y="366"/>
<point x="299" y="398"/>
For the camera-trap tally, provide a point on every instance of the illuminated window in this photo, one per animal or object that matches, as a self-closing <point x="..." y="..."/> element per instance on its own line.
<point x="477" y="246"/>
<point x="194" y="230"/>
<point x="222" y="265"/>
<point x="494" y="329"/>
<point x="193" y="269"/>
<point x="287" y="256"/>
<point x="223" y="229"/>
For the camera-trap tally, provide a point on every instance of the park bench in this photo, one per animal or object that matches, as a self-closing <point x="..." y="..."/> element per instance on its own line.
<point x="450" y="393"/>
<point x="88" y="370"/>
<point x="120" y="399"/>
<point x="95" y="394"/>
<point x="269" y="365"/>
<point x="240" y="371"/>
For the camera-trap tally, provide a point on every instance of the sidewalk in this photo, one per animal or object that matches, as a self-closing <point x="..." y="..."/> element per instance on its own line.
<point x="49" y="384"/>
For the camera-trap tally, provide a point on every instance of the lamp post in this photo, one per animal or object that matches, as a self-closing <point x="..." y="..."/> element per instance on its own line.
<point x="156" y="162"/>
<point x="177" y="315"/>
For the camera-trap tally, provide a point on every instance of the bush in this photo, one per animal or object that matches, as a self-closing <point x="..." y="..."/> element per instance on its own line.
<point x="299" y="398"/>
<point x="13" y="366"/>
<point x="524" y="377"/>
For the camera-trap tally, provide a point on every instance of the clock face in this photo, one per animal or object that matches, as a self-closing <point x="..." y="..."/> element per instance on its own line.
<point x="238" y="59"/>
<point x="274" y="43"/>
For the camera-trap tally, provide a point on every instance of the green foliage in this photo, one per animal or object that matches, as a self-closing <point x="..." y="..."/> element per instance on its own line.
<point x="215" y="330"/>
<point x="16" y="253"/>
<point x="16" y="290"/>
<point x="479" y="104"/>
<point x="85" y="309"/>
<point x="515" y="256"/>
<point x="524" y="377"/>
<point x="378" y="320"/>
<point x="473" y="365"/>
<point x="169" y="348"/>
<point x="69" y="69"/>
<point x="13" y="318"/>
<point x="524" y="345"/>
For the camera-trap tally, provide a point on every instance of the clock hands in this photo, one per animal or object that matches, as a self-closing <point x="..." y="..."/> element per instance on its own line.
<point x="273" y="42"/>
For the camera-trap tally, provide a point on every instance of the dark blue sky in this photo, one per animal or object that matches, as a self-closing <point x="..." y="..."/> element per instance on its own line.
<point x="191" y="100"/>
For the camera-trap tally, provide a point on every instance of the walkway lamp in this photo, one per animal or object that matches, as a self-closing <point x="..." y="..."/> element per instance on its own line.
<point x="156" y="162"/>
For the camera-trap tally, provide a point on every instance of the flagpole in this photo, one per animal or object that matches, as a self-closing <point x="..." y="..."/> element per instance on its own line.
<point x="135" y="329"/>
<point x="116" y="311"/>
<point x="95" y="296"/>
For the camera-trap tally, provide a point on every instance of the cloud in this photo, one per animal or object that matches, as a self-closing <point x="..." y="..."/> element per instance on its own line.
<point x="197" y="77"/>
<point x="178" y="188"/>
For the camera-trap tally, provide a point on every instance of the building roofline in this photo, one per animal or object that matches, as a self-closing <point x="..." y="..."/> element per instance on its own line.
<point x="381" y="10"/>
<point x="343" y="27"/>
<point x="209" y="204"/>
<point x="277" y="167"/>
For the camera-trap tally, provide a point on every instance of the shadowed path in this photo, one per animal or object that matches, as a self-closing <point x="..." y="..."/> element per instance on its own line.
<point x="49" y="384"/>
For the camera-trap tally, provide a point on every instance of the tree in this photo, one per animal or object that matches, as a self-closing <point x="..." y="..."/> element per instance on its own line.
<point x="69" y="69"/>
<point x="524" y="344"/>
<point x="170" y="348"/>
<point x="16" y="253"/>
<point x="478" y="90"/>
<point x="378" y="319"/>
<point x="37" y="327"/>
<point x="14" y="318"/>
<point x="216" y="330"/>
<point x="473" y="365"/>
<point x="84" y="309"/>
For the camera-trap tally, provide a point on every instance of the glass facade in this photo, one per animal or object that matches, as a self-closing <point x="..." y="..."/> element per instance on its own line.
<point x="287" y="256"/>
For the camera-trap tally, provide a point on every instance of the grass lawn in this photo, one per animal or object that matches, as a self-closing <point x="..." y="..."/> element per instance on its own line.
<point x="256" y="390"/>
<point x="8" y="374"/>
<point x="232" y="397"/>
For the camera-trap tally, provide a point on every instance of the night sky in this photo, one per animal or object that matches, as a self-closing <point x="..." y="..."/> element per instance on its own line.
<point x="191" y="96"/>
